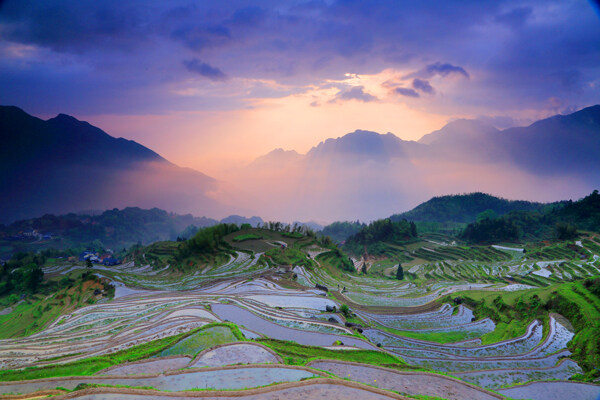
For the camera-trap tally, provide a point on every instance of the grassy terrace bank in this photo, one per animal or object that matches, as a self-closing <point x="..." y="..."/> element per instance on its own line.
<point x="56" y="297"/>
<point x="578" y="301"/>
<point x="296" y="354"/>
<point x="91" y="365"/>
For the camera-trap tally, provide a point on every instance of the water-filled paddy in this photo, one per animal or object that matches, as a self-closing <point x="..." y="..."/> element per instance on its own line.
<point x="249" y="320"/>
<point x="497" y="378"/>
<point x="308" y="390"/>
<point x="553" y="391"/>
<point x="516" y="346"/>
<point x="405" y="382"/>
<point x="314" y="302"/>
<point x="238" y="353"/>
<point x="149" y="367"/>
<point x="238" y="378"/>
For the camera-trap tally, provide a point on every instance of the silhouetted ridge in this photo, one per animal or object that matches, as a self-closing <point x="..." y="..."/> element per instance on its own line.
<point x="63" y="164"/>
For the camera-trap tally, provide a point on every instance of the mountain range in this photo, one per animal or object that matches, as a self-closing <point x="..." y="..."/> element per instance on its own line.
<point x="368" y="175"/>
<point x="63" y="165"/>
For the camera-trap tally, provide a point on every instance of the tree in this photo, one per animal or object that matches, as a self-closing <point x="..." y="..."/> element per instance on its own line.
<point x="487" y="214"/>
<point x="33" y="278"/>
<point x="413" y="229"/>
<point x="345" y="310"/>
<point x="88" y="263"/>
<point x="400" y="273"/>
<point x="364" y="268"/>
<point x="565" y="231"/>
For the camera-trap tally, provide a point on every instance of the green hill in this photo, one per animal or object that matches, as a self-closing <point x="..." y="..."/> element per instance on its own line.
<point x="340" y="231"/>
<point x="560" y="222"/>
<point x="113" y="228"/>
<point x="464" y="208"/>
<point x="373" y="236"/>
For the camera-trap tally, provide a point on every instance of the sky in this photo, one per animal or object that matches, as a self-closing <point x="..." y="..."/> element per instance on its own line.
<point x="210" y="85"/>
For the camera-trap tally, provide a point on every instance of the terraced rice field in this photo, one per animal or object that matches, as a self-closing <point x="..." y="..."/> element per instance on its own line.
<point x="553" y="391"/>
<point x="220" y="379"/>
<point x="236" y="353"/>
<point x="317" y="388"/>
<point x="132" y="276"/>
<point x="412" y="383"/>
<point x="200" y="330"/>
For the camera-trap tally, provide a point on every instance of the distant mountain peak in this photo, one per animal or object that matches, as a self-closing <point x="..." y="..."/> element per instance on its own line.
<point x="65" y="117"/>
<point x="64" y="164"/>
<point x="279" y="150"/>
<point x="278" y="155"/>
<point x="459" y="130"/>
<point x="361" y="143"/>
<point x="589" y="116"/>
<point x="12" y="109"/>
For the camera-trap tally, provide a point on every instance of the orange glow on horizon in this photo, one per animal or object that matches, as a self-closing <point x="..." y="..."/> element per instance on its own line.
<point x="215" y="141"/>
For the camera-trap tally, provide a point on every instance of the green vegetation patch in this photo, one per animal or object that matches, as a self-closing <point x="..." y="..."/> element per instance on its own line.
<point x="53" y="299"/>
<point x="247" y="236"/>
<point x="432" y="336"/>
<point x="337" y="259"/>
<point x="383" y="230"/>
<point x="296" y="354"/>
<point x="464" y="208"/>
<point x="201" y="340"/>
<point x="505" y="331"/>
<point x="553" y="221"/>
<point x="340" y="231"/>
<point x="292" y="235"/>
<point x="579" y="302"/>
<point x="91" y="365"/>
<point x="287" y="256"/>
<point x="83" y="386"/>
<point x="511" y="311"/>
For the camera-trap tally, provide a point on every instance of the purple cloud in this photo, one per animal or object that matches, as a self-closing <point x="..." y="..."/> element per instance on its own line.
<point x="297" y="44"/>
<point x="356" y="93"/>
<point x="422" y="86"/>
<point x="199" y="38"/>
<point x="406" y="92"/>
<point x="438" y="68"/>
<point x="204" y="69"/>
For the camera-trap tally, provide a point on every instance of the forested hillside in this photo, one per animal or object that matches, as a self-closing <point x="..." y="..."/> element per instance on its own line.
<point x="379" y="232"/>
<point x="464" y="208"/>
<point x="340" y="231"/>
<point x="559" y="222"/>
<point x="113" y="228"/>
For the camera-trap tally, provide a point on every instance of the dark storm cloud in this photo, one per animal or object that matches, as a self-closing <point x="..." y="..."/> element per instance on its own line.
<point x="423" y="86"/>
<point x="204" y="69"/>
<point x="72" y="26"/>
<point x="355" y="93"/>
<point x="406" y="92"/>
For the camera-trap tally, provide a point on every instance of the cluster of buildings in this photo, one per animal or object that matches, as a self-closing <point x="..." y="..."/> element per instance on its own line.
<point x="105" y="259"/>
<point x="29" y="235"/>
